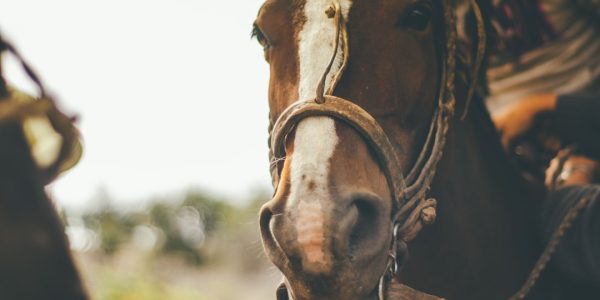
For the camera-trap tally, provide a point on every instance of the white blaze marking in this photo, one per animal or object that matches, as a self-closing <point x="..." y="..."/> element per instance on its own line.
<point x="316" y="138"/>
<point x="314" y="145"/>
<point x="315" y="46"/>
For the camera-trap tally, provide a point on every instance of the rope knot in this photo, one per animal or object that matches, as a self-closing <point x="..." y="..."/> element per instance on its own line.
<point x="428" y="215"/>
<point x="450" y="105"/>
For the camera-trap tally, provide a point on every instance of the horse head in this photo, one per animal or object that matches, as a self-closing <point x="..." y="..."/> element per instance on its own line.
<point x="360" y="97"/>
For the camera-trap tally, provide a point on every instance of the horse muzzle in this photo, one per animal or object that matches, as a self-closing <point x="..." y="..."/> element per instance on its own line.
<point x="328" y="252"/>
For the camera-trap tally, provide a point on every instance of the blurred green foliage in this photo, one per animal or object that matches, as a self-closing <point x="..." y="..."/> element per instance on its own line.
<point x="188" y="246"/>
<point x="198" y="227"/>
<point x="126" y="287"/>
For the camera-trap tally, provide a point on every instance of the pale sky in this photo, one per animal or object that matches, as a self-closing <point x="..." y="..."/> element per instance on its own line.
<point x="171" y="94"/>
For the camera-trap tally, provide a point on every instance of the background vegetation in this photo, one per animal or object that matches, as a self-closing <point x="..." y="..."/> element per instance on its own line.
<point x="191" y="246"/>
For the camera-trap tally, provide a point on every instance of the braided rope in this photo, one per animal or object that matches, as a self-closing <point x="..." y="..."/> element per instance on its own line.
<point x="421" y="210"/>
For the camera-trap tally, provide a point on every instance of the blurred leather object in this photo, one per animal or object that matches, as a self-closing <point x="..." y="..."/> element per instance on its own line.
<point x="54" y="141"/>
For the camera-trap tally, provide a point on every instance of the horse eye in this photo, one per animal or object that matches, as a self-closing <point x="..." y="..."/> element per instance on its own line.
<point x="260" y="37"/>
<point x="417" y="18"/>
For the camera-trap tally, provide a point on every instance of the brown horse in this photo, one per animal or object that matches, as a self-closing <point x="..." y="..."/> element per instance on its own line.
<point x="342" y="210"/>
<point x="35" y="262"/>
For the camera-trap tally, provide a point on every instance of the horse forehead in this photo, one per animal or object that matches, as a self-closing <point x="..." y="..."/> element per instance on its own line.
<point x="316" y="42"/>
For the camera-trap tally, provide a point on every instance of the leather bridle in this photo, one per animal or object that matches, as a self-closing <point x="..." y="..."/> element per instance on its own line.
<point x="413" y="208"/>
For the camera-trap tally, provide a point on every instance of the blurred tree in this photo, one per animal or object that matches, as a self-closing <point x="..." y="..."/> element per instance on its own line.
<point x="200" y="228"/>
<point x="113" y="228"/>
<point x="215" y="213"/>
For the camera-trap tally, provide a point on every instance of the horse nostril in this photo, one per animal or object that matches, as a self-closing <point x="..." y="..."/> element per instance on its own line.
<point x="265" y="228"/>
<point x="367" y="225"/>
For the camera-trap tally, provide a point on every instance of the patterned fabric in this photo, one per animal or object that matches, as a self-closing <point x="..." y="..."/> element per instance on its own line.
<point x="568" y="63"/>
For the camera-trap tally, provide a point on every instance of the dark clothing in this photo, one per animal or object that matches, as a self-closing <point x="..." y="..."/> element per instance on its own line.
<point x="578" y="122"/>
<point x="578" y="255"/>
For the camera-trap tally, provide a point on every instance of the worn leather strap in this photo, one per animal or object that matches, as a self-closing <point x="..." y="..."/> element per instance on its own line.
<point x="357" y="118"/>
<point x="395" y="291"/>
